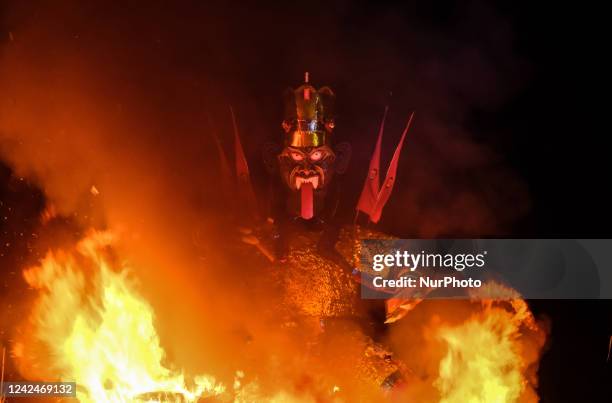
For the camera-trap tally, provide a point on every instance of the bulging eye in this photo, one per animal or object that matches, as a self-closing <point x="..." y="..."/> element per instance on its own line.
<point x="317" y="155"/>
<point x="297" y="156"/>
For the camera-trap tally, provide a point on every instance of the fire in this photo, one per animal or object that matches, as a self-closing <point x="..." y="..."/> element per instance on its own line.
<point x="487" y="360"/>
<point x="89" y="325"/>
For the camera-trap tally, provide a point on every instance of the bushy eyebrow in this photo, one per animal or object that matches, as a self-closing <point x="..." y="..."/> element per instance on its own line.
<point x="307" y="151"/>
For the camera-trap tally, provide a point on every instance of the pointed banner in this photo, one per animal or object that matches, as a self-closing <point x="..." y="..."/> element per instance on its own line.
<point x="373" y="198"/>
<point x="385" y="192"/>
<point x="242" y="167"/>
<point x="369" y="194"/>
<point x="242" y="171"/>
<point x="226" y="172"/>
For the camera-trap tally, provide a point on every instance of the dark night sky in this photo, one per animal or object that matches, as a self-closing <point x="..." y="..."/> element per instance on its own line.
<point x="517" y="77"/>
<point x="512" y="83"/>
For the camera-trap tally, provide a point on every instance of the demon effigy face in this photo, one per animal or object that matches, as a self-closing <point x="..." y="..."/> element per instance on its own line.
<point x="307" y="162"/>
<point x="311" y="165"/>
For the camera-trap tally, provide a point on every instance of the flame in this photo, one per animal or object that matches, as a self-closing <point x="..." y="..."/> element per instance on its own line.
<point x="90" y="326"/>
<point x="487" y="361"/>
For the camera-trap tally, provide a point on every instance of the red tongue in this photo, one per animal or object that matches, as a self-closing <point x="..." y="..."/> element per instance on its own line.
<point x="307" y="211"/>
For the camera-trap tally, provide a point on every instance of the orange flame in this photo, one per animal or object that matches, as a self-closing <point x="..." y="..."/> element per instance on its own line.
<point x="485" y="361"/>
<point x="90" y="326"/>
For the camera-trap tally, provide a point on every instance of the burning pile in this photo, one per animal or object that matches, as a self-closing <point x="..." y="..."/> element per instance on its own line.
<point x="89" y="325"/>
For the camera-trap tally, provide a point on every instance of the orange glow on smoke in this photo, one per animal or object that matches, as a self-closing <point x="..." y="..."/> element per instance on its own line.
<point x="90" y="122"/>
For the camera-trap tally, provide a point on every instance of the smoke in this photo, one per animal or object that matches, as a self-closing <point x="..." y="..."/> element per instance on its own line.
<point x="88" y="100"/>
<point x="93" y="90"/>
<point x="118" y="97"/>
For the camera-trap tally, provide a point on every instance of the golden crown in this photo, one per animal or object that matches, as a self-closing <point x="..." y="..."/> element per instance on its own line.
<point x="309" y="115"/>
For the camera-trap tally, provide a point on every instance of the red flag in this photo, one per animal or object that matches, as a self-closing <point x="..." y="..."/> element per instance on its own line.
<point x="226" y="172"/>
<point x="242" y="167"/>
<point x="385" y="192"/>
<point x="369" y="194"/>
<point x="242" y="171"/>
